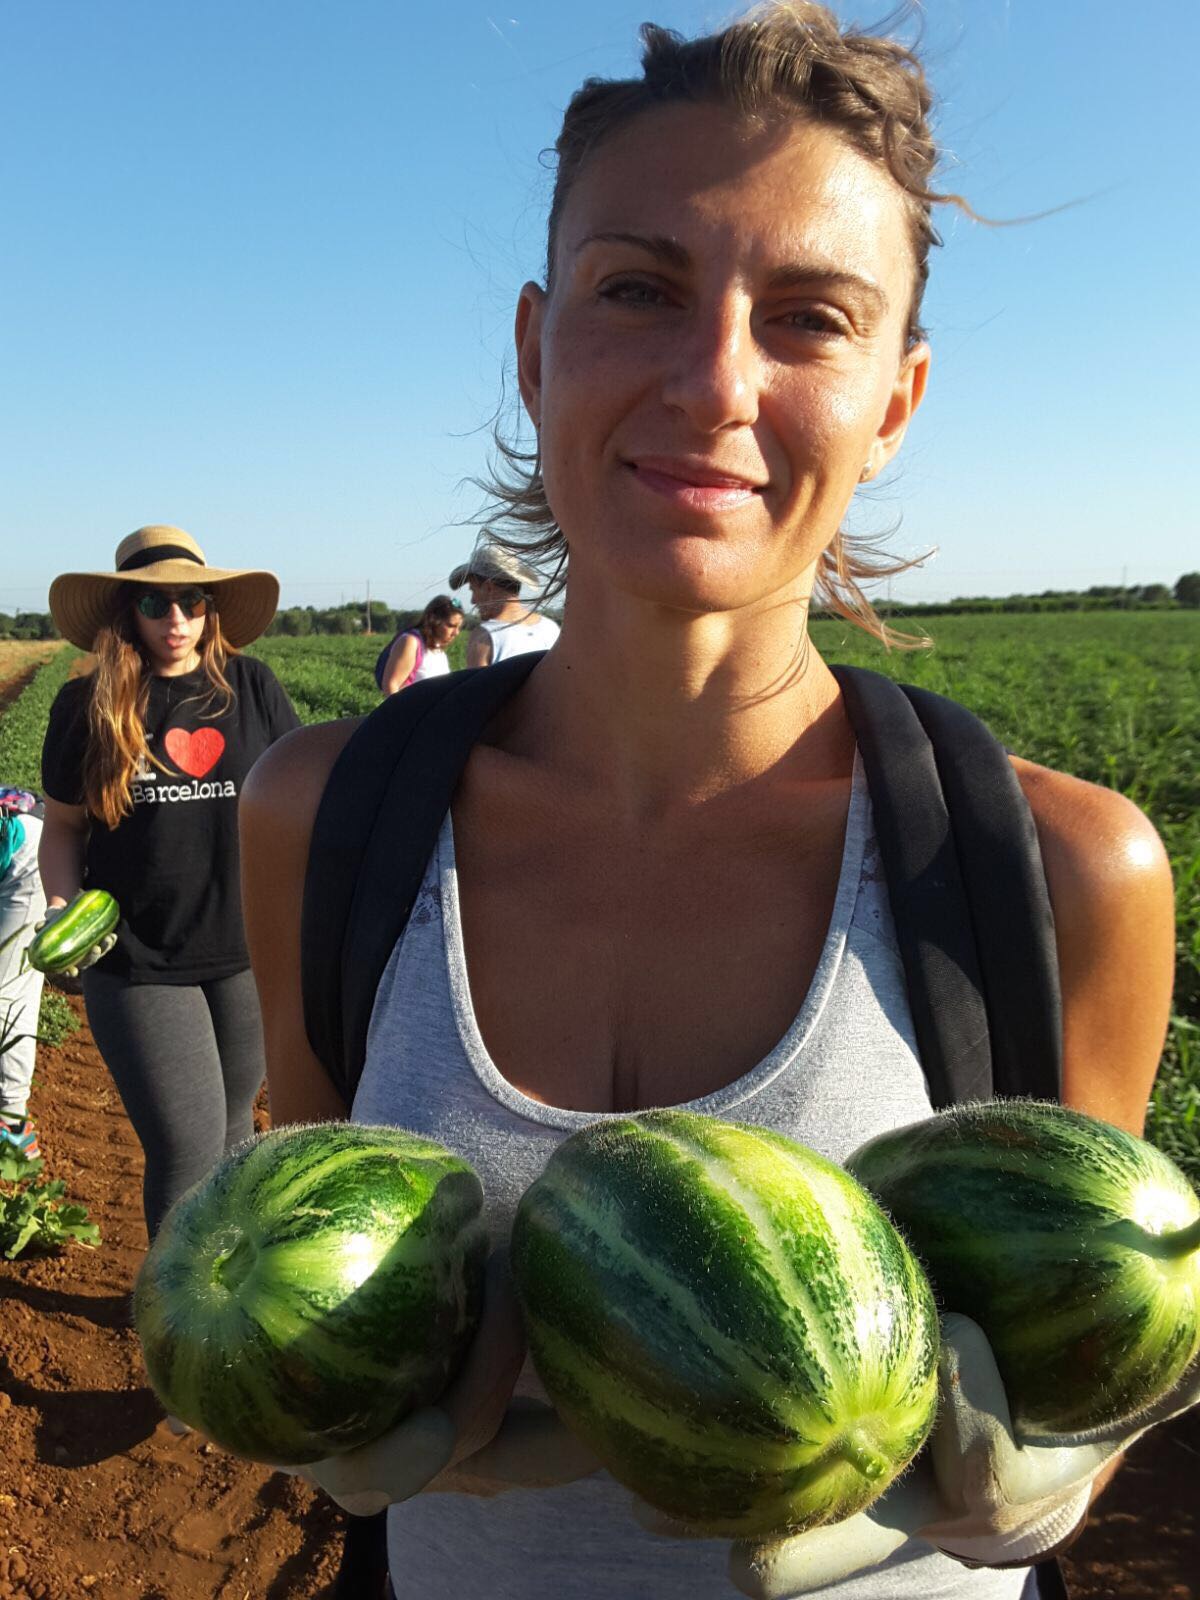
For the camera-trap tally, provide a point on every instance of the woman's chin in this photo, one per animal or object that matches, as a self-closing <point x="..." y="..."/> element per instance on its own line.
<point x="692" y="576"/>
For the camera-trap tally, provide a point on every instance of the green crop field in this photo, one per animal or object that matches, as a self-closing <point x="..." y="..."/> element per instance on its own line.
<point x="1112" y="697"/>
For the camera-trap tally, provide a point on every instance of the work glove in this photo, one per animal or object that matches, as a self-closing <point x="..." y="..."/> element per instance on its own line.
<point x="89" y="958"/>
<point x="975" y="1493"/>
<point x="475" y="1440"/>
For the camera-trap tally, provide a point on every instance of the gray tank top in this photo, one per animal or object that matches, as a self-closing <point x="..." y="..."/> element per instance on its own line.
<point x="844" y="1071"/>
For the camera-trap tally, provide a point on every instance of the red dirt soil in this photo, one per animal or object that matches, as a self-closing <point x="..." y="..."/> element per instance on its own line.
<point x="98" y="1498"/>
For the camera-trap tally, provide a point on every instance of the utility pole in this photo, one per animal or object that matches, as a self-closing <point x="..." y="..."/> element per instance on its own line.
<point x="368" y="605"/>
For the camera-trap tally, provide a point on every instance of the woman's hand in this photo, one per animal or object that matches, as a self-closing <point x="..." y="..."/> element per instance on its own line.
<point x="89" y="957"/>
<point x="975" y="1493"/>
<point x="470" y="1441"/>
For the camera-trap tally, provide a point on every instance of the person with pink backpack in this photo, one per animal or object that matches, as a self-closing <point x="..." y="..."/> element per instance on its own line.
<point x="420" y="652"/>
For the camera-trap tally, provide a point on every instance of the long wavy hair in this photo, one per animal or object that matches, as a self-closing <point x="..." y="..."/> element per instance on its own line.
<point x="117" y="747"/>
<point x="786" y="59"/>
<point x="440" y="609"/>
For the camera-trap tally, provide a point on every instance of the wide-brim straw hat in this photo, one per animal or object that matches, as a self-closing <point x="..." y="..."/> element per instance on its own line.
<point x="81" y="603"/>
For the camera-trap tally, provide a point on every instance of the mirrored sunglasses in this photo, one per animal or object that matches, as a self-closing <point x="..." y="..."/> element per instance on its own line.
<point x="155" y="603"/>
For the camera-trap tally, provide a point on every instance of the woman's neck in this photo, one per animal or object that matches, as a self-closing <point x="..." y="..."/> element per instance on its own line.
<point x="663" y="707"/>
<point x="175" y="669"/>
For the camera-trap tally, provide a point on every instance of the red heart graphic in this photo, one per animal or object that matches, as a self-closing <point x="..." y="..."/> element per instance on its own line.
<point x="194" y="753"/>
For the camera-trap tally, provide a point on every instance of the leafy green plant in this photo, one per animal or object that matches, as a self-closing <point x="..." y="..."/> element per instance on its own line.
<point x="1111" y="696"/>
<point x="56" y="1020"/>
<point x="34" y="1212"/>
<point x="1114" y="698"/>
<point x="23" y="724"/>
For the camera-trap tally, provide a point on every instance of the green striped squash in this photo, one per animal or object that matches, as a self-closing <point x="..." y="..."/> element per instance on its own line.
<point x="727" y="1319"/>
<point x="1074" y="1245"/>
<point x="318" y="1285"/>
<point x="90" y="916"/>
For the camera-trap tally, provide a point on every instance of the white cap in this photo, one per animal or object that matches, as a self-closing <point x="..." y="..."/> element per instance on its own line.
<point x="490" y="560"/>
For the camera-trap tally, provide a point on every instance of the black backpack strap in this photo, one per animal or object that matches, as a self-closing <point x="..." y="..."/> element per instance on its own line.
<point x="375" y="827"/>
<point x="967" y="891"/>
<point x="925" y="888"/>
<point x="1001" y="863"/>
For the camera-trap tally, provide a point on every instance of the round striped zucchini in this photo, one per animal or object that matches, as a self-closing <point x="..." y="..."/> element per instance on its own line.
<point x="89" y="918"/>
<point x="1074" y="1245"/>
<point x="321" y="1283"/>
<point x="727" y="1319"/>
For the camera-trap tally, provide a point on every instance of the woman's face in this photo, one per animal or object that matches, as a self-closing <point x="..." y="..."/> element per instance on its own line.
<point x="721" y="355"/>
<point x="445" y="633"/>
<point x="172" y="641"/>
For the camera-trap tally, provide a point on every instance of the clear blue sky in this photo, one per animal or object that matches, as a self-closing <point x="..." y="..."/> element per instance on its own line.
<point x="260" y="260"/>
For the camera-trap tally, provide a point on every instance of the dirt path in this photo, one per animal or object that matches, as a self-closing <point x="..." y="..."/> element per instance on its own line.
<point x="19" y="660"/>
<point x="97" y="1497"/>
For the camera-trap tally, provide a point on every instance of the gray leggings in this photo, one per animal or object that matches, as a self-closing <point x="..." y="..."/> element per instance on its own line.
<point x="187" y="1061"/>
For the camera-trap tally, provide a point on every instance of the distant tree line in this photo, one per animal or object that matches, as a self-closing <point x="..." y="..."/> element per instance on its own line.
<point x="1100" y="597"/>
<point x="297" y="621"/>
<point x="27" y="625"/>
<point x="352" y="618"/>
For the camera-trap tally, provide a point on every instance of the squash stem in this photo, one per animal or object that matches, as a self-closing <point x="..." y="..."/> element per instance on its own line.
<point x="1183" y="1241"/>
<point x="232" y="1268"/>
<point x="1162" y="1246"/>
<point x="860" y="1455"/>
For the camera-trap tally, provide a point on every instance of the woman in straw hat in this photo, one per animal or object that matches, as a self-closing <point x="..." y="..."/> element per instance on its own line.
<point x="143" y="762"/>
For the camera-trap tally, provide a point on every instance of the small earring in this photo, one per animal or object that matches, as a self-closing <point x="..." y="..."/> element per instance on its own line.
<point x="865" y="474"/>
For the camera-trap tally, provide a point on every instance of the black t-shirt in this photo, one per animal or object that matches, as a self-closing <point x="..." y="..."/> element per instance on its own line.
<point x="172" y="865"/>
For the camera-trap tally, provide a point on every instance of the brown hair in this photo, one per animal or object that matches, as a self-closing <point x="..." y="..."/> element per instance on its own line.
<point x="789" y="58"/>
<point x="440" y="609"/>
<point x="116" y="719"/>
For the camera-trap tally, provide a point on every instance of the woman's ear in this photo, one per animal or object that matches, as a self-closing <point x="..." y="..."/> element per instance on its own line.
<point x="530" y="309"/>
<point x="907" y="393"/>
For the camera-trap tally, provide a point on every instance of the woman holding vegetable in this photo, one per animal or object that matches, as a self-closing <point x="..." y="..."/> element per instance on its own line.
<point x="727" y="342"/>
<point x="143" y="762"/>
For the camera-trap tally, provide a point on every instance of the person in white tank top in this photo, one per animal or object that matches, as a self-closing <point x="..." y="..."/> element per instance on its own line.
<point x="653" y="886"/>
<point x="507" y="626"/>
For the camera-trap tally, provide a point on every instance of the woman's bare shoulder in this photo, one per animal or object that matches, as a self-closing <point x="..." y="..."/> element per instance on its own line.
<point x="286" y="783"/>
<point x="1091" y="835"/>
<point x="1113" y="902"/>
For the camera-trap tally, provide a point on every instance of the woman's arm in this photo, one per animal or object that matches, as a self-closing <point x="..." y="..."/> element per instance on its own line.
<point x="278" y="804"/>
<point x="1114" y="920"/>
<point x="61" y="851"/>
<point x="401" y="660"/>
<point x="1114" y="915"/>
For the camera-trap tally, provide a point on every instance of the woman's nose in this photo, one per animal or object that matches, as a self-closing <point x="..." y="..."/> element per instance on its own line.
<point x="716" y="374"/>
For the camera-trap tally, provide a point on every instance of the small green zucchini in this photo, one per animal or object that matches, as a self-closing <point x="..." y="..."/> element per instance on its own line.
<point x="92" y="914"/>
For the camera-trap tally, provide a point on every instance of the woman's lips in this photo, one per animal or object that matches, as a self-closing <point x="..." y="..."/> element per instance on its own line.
<point x="697" y="490"/>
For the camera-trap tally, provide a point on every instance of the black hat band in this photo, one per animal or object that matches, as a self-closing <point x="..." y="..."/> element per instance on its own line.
<point x="158" y="552"/>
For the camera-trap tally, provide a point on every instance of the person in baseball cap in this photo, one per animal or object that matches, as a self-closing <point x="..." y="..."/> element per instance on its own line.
<point x="507" y="627"/>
